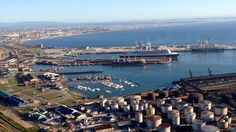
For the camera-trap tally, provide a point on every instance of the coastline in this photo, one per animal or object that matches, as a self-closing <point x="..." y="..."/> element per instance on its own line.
<point x="131" y="29"/>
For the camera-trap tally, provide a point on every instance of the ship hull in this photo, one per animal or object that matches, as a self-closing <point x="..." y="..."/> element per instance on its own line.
<point x="172" y="56"/>
<point x="136" y="63"/>
<point x="207" y="50"/>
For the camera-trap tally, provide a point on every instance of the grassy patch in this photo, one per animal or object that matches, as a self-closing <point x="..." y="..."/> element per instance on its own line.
<point x="2" y="87"/>
<point x="51" y="96"/>
<point x="67" y="102"/>
<point x="76" y="95"/>
<point x="12" y="81"/>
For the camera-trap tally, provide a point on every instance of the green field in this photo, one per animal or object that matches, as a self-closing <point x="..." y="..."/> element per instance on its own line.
<point x="51" y="96"/>
<point x="67" y="102"/>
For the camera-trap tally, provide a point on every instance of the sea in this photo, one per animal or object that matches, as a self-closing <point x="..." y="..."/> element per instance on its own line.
<point x="154" y="76"/>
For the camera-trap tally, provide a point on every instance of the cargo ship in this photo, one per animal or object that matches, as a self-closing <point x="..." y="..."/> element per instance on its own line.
<point x="146" y="51"/>
<point x="205" y="46"/>
<point x="150" y="54"/>
<point x="128" y="62"/>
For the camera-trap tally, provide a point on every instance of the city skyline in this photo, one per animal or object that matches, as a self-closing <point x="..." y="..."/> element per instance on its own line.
<point x="113" y="10"/>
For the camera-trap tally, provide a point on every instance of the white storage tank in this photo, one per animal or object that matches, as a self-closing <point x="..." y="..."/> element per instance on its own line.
<point x="135" y="98"/>
<point x="189" y="117"/>
<point x="153" y="121"/>
<point x="139" y="117"/>
<point x="145" y="105"/>
<point x="173" y="112"/>
<point x="119" y="100"/>
<point x="223" y="124"/>
<point x="188" y="109"/>
<point x="209" y="128"/>
<point x="220" y="110"/>
<point x="165" y="108"/>
<point x="135" y="107"/>
<point x="122" y="104"/>
<point x="227" y="119"/>
<point x="175" y="119"/>
<point x="150" y="111"/>
<point x="205" y="105"/>
<point x="159" y="103"/>
<point x="115" y="106"/>
<point x="207" y="116"/>
<point x="103" y="102"/>
<point x="164" y="127"/>
<point x="175" y="101"/>
<point x="197" y="124"/>
<point x="141" y="107"/>
<point x="126" y="108"/>
<point x="182" y="105"/>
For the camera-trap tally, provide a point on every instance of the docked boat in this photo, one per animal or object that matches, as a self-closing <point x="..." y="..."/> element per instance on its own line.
<point x="151" y="54"/>
<point x="128" y="62"/>
<point x="205" y="46"/>
<point x="107" y="91"/>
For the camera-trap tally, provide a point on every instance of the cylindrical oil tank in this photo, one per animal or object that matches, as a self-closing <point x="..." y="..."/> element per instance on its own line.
<point x="188" y="109"/>
<point x="197" y="123"/>
<point x="122" y="104"/>
<point x="159" y="103"/>
<point x="126" y="108"/>
<point x="164" y="127"/>
<point x="153" y="121"/>
<point x="175" y="119"/>
<point x="172" y="112"/>
<point x="220" y="110"/>
<point x="195" y="97"/>
<point x="207" y="116"/>
<point x="222" y="124"/>
<point x="150" y="111"/>
<point x="141" y="107"/>
<point x="119" y="100"/>
<point x="139" y="117"/>
<point x="135" y="107"/>
<point x="103" y="102"/>
<point x="189" y="117"/>
<point x="107" y="108"/>
<point x="164" y="94"/>
<point x="182" y="105"/>
<point x="165" y="108"/>
<point x="209" y="128"/>
<point x="227" y="119"/>
<point x="114" y="106"/>
<point x="205" y="105"/>
<point x="175" y="101"/>
<point x="145" y="105"/>
<point x="135" y="98"/>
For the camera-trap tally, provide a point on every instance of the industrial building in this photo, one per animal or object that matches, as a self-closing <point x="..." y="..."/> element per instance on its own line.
<point x="11" y="100"/>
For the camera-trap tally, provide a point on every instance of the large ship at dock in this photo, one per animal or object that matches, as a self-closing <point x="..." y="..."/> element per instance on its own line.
<point x="146" y="52"/>
<point x="205" y="46"/>
<point x="128" y="62"/>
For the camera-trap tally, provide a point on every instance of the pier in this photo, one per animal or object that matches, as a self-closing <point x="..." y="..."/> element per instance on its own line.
<point x="209" y="83"/>
<point x="82" y="72"/>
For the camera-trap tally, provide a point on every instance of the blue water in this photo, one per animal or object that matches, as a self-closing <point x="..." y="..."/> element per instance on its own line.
<point x="161" y="75"/>
<point x="221" y="32"/>
<point x="154" y="76"/>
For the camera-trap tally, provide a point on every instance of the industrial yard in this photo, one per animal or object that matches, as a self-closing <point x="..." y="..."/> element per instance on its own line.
<point x="42" y="99"/>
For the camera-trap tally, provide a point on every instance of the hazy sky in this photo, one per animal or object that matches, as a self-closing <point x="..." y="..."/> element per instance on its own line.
<point x="112" y="10"/>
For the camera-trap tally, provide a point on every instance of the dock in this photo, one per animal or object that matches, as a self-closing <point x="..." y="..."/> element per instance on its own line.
<point x="81" y="72"/>
<point x="209" y="83"/>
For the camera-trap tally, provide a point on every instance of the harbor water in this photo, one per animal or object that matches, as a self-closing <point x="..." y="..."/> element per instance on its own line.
<point x="155" y="76"/>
